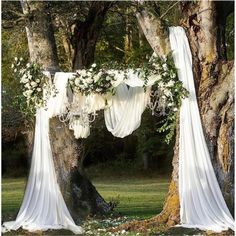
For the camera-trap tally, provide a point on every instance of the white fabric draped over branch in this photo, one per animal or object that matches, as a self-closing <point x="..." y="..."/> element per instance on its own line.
<point x="201" y="201"/>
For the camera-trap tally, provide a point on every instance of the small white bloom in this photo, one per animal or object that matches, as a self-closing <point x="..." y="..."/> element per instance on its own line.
<point x="38" y="81"/>
<point x="77" y="80"/>
<point x="39" y="89"/>
<point x="33" y="84"/>
<point x="89" y="81"/>
<point x="89" y="74"/>
<point x="28" y="65"/>
<point x="94" y="65"/>
<point x="21" y="59"/>
<point x="24" y="79"/>
<point x="16" y="58"/>
<point x="83" y="72"/>
<point x="15" y="70"/>
<point x="96" y="78"/>
<point x="175" y="109"/>
<point x="164" y="66"/>
<point x="12" y="65"/>
<point x="27" y="85"/>
<point x="170" y="83"/>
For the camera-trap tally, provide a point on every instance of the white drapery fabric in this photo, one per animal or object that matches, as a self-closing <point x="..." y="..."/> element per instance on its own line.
<point x="43" y="206"/>
<point x="124" y="115"/>
<point x="201" y="202"/>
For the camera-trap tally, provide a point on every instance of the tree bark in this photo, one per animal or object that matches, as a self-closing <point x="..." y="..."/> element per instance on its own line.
<point x="215" y="88"/>
<point x="85" y="35"/>
<point x="80" y="195"/>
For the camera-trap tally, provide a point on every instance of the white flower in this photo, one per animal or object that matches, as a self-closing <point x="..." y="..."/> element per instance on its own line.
<point x="170" y="83"/>
<point x="83" y="72"/>
<point x="89" y="81"/>
<point x="16" y="58"/>
<point x="170" y="104"/>
<point x="89" y="74"/>
<point x="164" y="66"/>
<point x="38" y="81"/>
<point x="24" y="79"/>
<point x="28" y="65"/>
<point x="108" y="78"/>
<point x="77" y="80"/>
<point x="96" y="78"/>
<point x="12" y="65"/>
<point x="27" y="85"/>
<point x="15" y="70"/>
<point x="165" y="74"/>
<point x="39" y="89"/>
<point x="21" y="59"/>
<point x="27" y="93"/>
<point x="94" y="65"/>
<point x="175" y="109"/>
<point x="33" y="84"/>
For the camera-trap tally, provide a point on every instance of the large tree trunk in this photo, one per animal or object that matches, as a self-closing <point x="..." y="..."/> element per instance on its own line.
<point x="86" y="33"/>
<point x="80" y="195"/>
<point x="215" y="90"/>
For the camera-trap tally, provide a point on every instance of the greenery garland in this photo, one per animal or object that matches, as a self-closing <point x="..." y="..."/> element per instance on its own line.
<point x="36" y="87"/>
<point x="166" y="96"/>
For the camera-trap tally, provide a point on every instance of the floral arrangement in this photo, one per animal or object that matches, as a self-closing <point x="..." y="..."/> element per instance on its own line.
<point x="35" y="85"/>
<point x="93" y="80"/>
<point x="167" y="94"/>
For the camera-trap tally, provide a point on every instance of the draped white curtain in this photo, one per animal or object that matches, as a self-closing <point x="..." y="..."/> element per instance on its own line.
<point x="124" y="115"/>
<point x="43" y="206"/>
<point x="201" y="202"/>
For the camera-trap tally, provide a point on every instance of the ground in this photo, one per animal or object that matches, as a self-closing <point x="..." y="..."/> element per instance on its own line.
<point x="136" y="198"/>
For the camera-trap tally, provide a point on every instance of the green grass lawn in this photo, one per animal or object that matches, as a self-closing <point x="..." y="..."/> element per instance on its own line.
<point x="136" y="197"/>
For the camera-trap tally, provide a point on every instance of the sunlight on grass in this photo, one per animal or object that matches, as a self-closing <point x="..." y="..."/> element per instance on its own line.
<point x="135" y="198"/>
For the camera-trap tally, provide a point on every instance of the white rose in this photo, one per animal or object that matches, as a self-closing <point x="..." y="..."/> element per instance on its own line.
<point x="33" y="84"/>
<point x="170" y="83"/>
<point x="94" y="65"/>
<point x="89" y="81"/>
<point x="77" y="80"/>
<point x="164" y="66"/>
<point x="27" y="85"/>
<point x="24" y="79"/>
<point x="96" y="78"/>
<point x="83" y="72"/>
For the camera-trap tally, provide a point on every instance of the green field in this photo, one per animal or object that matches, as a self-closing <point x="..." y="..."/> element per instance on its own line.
<point x="136" y="197"/>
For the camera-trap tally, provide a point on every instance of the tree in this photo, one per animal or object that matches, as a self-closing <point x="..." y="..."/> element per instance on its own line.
<point x="204" y="22"/>
<point x="80" y="195"/>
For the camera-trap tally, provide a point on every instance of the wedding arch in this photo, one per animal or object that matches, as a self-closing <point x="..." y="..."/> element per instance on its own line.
<point x="201" y="202"/>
